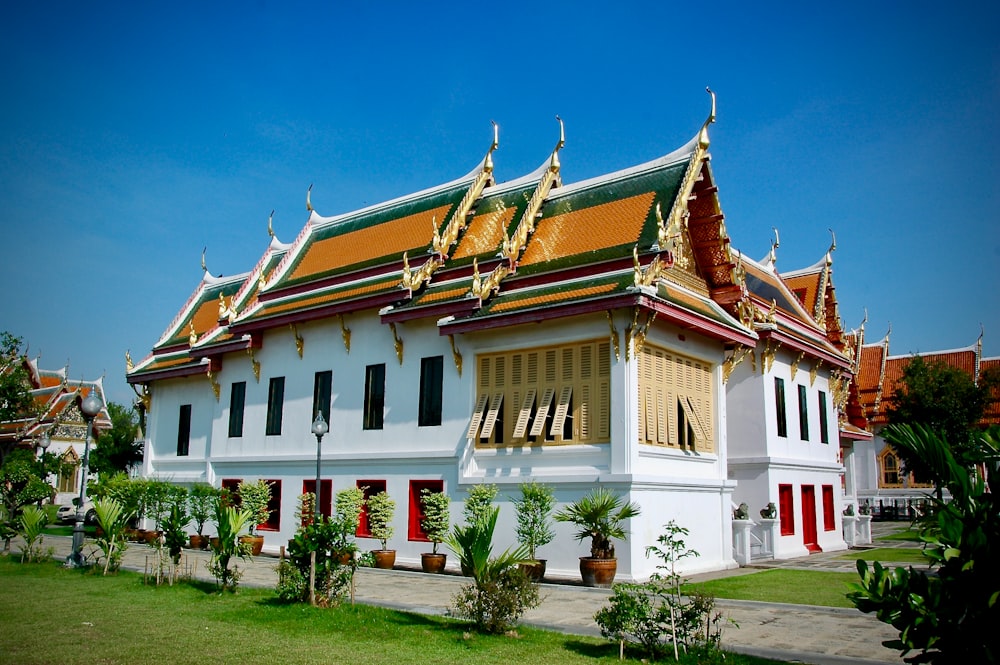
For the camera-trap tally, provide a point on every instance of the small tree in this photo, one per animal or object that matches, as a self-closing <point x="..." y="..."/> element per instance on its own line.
<point x="119" y="448"/>
<point x="22" y="482"/>
<point x="230" y="523"/>
<point x="380" y="510"/>
<point x="479" y="502"/>
<point x="16" y="402"/>
<point x="600" y="516"/>
<point x="201" y="500"/>
<point x="112" y="518"/>
<point x="254" y="499"/>
<point x="436" y="521"/>
<point x="534" y="508"/>
<point x="32" y="521"/>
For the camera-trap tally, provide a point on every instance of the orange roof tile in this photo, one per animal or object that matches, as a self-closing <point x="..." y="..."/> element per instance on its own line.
<point x="485" y="233"/>
<point x="805" y="288"/>
<point x="393" y="237"/>
<point x="605" y="225"/>
<point x="549" y="298"/>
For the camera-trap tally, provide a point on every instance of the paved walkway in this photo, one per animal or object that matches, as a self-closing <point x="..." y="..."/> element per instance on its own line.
<point x="794" y="633"/>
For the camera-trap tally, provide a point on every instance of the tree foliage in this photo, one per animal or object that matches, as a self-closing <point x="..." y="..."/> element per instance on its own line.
<point x="944" y="399"/>
<point x="118" y="448"/>
<point x="948" y="613"/>
<point x="15" y="388"/>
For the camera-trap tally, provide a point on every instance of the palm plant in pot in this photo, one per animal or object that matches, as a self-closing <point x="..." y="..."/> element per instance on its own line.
<point x="534" y="525"/>
<point x="600" y="516"/>
<point x="436" y="508"/>
<point x="254" y="499"/>
<point x="201" y="502"/>
<point x="380" y="509"/>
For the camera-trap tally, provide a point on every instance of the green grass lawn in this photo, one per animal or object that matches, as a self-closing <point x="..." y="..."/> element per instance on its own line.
<point x="905" y="534"/>
<point x="53" y="615"/>
<point x="779" y="585"/>
<point x="907" y="555"/>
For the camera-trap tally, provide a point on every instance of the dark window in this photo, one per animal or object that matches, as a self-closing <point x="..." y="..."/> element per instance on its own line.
<point x="325" y="496"/>
<point x="322" y="387"/>
<point x="779" y="403"/>
<point x="273" y="522"/>
<point x="236" y="400"/>
<point x="824" y="435"/>
<point x="370" y="488"/>
<point x="829" y="520"/>
<point x="230" y="492"/>
<point x="374" y="396"/>
<point x="184" y="430"/>
<point x="275" y="402"/>
<point x="786" y="510"/>
<point x="416" y="512"/>
<point x="803" y="414"/>
<point x="431" y="380"/>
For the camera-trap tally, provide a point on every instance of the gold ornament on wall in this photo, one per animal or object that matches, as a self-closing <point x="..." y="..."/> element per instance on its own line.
<point x="300" y="343"/>
<point x="456" y="355"/>
<point x="397" y="343"/>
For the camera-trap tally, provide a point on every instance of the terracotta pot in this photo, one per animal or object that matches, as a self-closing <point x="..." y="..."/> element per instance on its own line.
<point x="433" y="563"/>
<point x="598" y="572"/>
<point x="151" y="536"/>
<point x="343" y="558"/>
<point x="197" y="542"/>
<point x="256" y="543"/>
<point x="534" y="570"/>
<point x="214" y="540"/>
<point x="385" y="559"/>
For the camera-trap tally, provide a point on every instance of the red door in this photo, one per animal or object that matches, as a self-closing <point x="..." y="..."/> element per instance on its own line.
<point x="809" y="518"/>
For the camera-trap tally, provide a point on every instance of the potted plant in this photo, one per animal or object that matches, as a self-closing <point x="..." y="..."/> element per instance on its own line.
<point x="534" y="525"/>
<point x="349" y="503"/>
<point x="201" y="501"/>
<point x="600" y="516"/>
<point x="478" y="504"/>
<point x="254" y="499"/>
<point x="380" y="510"/>
<point x="435" y="523"/>
<point x="174" y="531"/>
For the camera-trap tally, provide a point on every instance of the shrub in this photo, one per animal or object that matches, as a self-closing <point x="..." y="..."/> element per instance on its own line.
<point x="230" y="523"/>
<point x="200" y="502"/>
<point x="254" y="499"/>
<point x="31" y="522"/>
<point x="436" y="521"/>
<point x="380" y="510"/>
<point x="534" y="526"/>
<point x="112" y="518"/>
<point x="480" y="500"/>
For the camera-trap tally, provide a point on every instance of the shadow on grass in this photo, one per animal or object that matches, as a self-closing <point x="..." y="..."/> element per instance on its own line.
<point x="591" y="649"/>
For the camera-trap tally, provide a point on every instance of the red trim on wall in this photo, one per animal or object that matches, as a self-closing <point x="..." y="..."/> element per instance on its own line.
<point x="371" y="487"/>
<point x="273" y="522"/>
<point x="829" y="517"/>
<point x="416" y="509"/>
<point x="786" y="510"/>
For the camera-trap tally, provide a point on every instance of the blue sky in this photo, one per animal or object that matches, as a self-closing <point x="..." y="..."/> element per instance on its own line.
<point x="132" y="135"/>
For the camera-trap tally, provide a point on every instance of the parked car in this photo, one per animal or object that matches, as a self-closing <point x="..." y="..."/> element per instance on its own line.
<point x="67" y="513"/>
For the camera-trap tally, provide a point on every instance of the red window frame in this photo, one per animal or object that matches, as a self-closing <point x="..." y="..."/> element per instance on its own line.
<point x="371" y="488"/>
<point x="273" y="522"/>
<point x="416" y="509"/>
<point x="325" y="496"/>
<point x="786" y="510"/>
<point x="829" y="517"/>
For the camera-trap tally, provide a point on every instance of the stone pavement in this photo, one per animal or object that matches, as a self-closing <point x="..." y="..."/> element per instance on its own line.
<point x="793" y="633"/>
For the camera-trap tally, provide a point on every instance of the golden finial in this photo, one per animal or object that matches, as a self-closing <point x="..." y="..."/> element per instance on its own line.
<point x="772" y="256"/>
<point x="309" y="205"/>
<point x="833" y="248"/>
<point x="270" y="227"/>
<point x="128" y="361"/>
<point x="703" y="134"/>
<point x="488" y="163"/>
<point x="193" y="336"/>
<point x="203" y="267"/>
<point x="554" y="163"/>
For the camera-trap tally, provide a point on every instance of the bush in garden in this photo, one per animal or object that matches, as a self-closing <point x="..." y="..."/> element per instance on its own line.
<point x="31" y="522"/>
<point x="655" y="616"/>
<point x="112" y="518"/>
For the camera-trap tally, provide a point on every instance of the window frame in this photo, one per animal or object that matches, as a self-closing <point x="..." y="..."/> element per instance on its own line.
<point x="431" y="398"/>
<point x="781" y="409"/>
<point x="275" y="405"/>
<point x="803" y="413"/>
<point x="415" y="509"/>
<point x="369" y="487"/>
<point x="325" y="498"/>
<point x="829" y="517"/>
<point x="236" y="413"/>
<point x="824" y="421"/>
<point x="273" y="522"/>
<point x="184" y="430"/>
<point x="374" y="407"/>
<point x="786" y="509"/>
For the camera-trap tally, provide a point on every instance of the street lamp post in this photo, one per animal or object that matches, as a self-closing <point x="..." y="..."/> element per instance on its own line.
<point x="43" y="444"/>
<point x="319" y="428"/>
<point x="90" y="406"/>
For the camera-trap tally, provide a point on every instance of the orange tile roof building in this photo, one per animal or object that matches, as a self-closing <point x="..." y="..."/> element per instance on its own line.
<point x="602" y="332"/>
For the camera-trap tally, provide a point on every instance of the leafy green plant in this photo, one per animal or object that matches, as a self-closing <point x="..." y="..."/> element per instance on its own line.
<point x="949" y="613"/>
<point x="479" y="502"/>
<point x="654" y="614"/>
<point x="436" y="521"/>
<point x="501" y="592"/>
<point x="230" y="523"/>
<point x="112" y="518"/>
<point x="254" y="499"/>
<point x="380" y="510"/>
<point x="31" y="522"/>
<point x="201" y="500"/>
<point x="534" y="510"/>
<point x="175" y="531"/>
<point x="600" y="516"/>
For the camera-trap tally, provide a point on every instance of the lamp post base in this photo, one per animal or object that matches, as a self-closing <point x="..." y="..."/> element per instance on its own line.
<point x="75" y="558"/>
